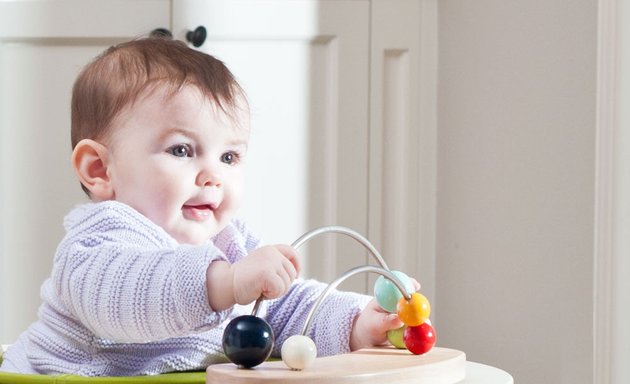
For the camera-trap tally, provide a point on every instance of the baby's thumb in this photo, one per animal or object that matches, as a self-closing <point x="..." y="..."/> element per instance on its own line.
<point x="391" y="321"/>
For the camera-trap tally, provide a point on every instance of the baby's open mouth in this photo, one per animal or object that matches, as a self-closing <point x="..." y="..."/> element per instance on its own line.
<point x="198" y="212"/>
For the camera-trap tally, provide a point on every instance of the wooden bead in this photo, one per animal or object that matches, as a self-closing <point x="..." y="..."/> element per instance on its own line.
<point x="415" y="311"/>
<point x="298" y="352"/>
<point x="419" y="340"/>
<point x="387" y="294"/>
<point x="247" y="341"/>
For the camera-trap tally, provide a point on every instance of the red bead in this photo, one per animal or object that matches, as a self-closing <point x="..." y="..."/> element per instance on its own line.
<point x="420" y="339"/>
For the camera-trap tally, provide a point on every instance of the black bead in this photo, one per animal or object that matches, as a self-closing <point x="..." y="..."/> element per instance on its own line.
<point x="247" y="341"/>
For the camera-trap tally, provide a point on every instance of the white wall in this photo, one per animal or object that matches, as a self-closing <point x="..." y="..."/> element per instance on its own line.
<point x="516" y="129"/>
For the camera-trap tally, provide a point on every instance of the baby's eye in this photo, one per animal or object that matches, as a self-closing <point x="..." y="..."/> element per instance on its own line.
<point x="230" y="157"/>
<point x="180" y="150"/>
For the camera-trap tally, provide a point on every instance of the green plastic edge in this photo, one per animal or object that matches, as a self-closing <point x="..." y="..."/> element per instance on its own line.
<point x="176" y="377"/>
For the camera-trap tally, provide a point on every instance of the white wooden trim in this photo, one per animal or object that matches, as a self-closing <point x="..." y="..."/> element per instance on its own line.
<point x="393" y="131"/>
<point x="427" y="167"/>
<point x="235" y="19"/>
<point x="331" y="156"/>
<point x="603" y="258"/>
<point x="403" y="146"/>
<point x="23" y="20"/>
<point x="612" y="197"/>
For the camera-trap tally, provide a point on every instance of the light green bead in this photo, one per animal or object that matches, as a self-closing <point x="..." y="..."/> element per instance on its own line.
<point x="396" y="337"/>
<point x="387" y="294"/>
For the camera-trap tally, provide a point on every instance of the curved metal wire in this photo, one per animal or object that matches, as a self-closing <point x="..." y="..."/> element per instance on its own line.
<point x="351" y="272"/>
<point x="345" y="231"/>
<point x="341" y="230"/>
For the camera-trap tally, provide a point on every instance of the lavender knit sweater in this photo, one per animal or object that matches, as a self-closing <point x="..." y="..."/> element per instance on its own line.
<point x="124" y="298"/>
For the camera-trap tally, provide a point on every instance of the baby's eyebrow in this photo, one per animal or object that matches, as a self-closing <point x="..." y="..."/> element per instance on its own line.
<point x="239" y="142"/>
<point x="175" y="131"/>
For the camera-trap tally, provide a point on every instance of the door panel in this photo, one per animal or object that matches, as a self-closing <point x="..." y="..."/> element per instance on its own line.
<point x="43" y="46"/>
<point x="305" y="70"/>
<point x="308" y="160"/>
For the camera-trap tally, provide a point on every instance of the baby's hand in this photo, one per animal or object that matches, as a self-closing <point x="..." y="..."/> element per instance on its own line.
<point x="267" y="271"/>
<point x="371" y="326"/>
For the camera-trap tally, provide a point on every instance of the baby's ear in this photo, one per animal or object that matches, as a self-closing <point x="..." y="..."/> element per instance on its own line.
<point x="89" y="160"/>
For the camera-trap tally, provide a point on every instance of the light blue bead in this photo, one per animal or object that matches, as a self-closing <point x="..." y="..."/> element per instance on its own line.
<point x="386" y="293"/>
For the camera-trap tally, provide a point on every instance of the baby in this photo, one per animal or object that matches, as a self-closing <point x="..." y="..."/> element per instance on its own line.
<point x="153" y="268"/>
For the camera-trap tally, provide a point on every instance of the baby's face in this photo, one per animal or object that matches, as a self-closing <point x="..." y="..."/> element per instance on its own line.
<point x="178" y="161"/>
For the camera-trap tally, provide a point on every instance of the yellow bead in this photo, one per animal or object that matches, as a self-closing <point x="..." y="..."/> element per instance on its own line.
<point x="415" y="311"/>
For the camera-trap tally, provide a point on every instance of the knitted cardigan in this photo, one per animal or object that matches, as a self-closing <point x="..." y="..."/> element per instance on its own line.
<point x="124" y="298"/>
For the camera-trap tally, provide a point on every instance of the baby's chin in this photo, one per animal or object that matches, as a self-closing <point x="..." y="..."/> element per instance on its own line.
<point x="194" y="237"/>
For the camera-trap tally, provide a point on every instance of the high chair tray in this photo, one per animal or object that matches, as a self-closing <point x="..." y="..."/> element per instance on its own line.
<point x="372" y="365"/>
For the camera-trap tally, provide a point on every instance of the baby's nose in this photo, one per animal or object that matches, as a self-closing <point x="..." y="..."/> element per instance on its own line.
<point x="209" y="176"/>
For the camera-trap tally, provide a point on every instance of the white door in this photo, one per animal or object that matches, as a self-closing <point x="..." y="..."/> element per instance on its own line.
<point x="325" y="100"/>
<point x="43" y="45"/>
<point x="307" y="81"/>
<point x="305" y="68"/>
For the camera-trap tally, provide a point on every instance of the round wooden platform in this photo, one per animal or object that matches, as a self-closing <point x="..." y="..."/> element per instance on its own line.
<point x="373" y="365"/>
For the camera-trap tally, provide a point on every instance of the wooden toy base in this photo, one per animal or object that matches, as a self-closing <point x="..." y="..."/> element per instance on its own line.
<point x="372" y="365"/>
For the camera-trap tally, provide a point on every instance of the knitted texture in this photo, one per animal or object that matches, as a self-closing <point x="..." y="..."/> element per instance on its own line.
<point x="124" y="298"/>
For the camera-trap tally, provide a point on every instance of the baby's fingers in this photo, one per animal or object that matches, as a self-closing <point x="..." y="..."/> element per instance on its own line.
<point x="279" y="279"/>
<point x="289" y="269"/>
<point x="291" y="254"/>
<point x="391" y="321"/>
<point x="275" y="285"/>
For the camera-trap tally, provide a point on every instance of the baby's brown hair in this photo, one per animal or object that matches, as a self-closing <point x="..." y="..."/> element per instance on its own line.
<point x="115" y="79"/>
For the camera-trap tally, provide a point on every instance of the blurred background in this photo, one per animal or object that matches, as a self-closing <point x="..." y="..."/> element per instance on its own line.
<point x="478" y="144"/>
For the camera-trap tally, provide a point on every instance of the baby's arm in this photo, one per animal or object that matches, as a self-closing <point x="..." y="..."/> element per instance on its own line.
<point x="267" y="271"/>
<point x="333" y="321"/>
<point x="131" y="294"/>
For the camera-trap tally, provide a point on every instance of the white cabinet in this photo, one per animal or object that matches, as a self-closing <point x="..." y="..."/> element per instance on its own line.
<point x="337" y="138"/>
<point x="43" y="45"/>
<point x="305" y="70"/>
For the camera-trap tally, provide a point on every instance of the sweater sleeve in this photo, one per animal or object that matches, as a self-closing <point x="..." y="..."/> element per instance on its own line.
<point x="127" y="282"/>
<point x="332" y="322"/>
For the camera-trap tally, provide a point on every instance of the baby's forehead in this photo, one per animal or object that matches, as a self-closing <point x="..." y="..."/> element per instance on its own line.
<point x="167" y="91"/>
<point x="164" y="111"/>
<point x="233" y="113"/>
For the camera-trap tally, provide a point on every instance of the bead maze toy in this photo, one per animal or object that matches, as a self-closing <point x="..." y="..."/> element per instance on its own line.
<point x="248" y="340"/>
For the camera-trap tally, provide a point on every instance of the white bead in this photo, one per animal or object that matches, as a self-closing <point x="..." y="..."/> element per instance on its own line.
<point x="298" y="352"/>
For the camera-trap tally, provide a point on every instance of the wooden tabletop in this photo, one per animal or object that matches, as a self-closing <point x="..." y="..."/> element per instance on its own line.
<point x="372" y="365"/>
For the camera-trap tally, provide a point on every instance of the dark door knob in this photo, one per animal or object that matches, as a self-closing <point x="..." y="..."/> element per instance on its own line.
<point x="197" y="37"/>
<point x="161" y="33"/>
